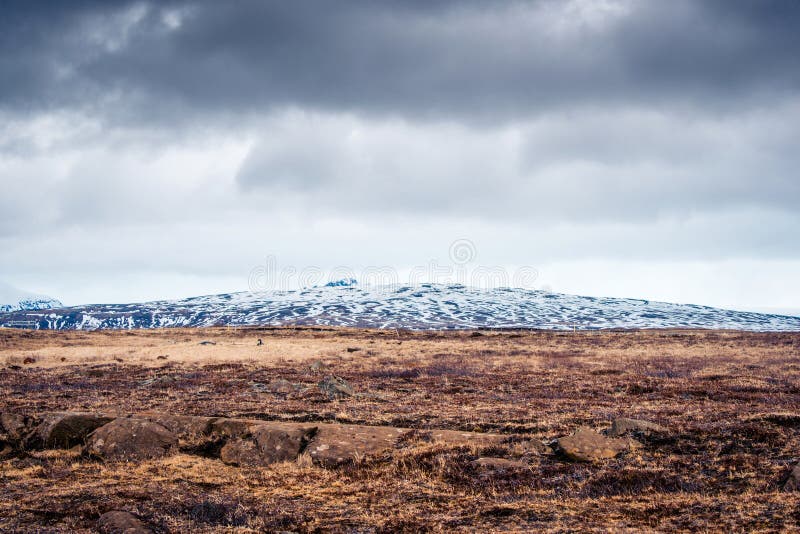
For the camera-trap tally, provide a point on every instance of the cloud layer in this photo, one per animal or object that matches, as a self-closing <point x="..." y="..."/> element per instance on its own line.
<point x="155" y="140"/>
<point x="444" y="59"/>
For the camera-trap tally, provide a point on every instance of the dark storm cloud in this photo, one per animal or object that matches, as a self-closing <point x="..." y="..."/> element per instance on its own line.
<point x="458" y="60"/>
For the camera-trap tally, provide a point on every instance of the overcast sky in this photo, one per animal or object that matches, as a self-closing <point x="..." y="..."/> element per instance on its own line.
<point x="619" y="148"/>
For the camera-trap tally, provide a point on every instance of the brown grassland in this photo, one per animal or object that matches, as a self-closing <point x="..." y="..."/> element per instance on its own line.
<point x="730" y="400"/>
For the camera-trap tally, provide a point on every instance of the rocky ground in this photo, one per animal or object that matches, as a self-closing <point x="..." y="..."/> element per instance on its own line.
<point x="382" y="431"/>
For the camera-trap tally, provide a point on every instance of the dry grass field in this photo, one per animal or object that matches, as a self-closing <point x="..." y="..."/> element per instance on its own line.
<point x="730" y="402"/>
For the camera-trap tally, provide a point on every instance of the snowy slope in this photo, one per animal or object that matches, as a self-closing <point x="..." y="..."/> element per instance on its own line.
<point x="13" y="299"/>
<point x="424" y="307"/>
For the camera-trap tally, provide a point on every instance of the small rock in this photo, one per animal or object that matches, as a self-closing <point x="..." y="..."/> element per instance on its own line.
<point x="63" y="430"/>
<point x="336" y="444"/>
<point x="531" y="446"/>
<point x="317" y="366"/>
<point x="120" y="522"/>
<point x="131" y="439"/>
<point x="28" y="360"/>
<point x="335" y="387"/>
<point x="586" y="445"/>
<point x="793" y="481"/>
<point x="158" y="382"/>
<point x="207" y="343"/>
<point x="162" y="357"/>
<point x="280" y="386"/>
<point x="267" y="444"/>
<point x="353" y="349"/>
<point x="623" y="426"/>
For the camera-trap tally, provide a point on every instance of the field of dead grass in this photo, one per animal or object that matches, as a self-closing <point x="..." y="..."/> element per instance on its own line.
<point x="731" y="401"/>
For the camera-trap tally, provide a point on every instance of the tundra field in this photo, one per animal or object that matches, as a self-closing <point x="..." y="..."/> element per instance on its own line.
<point x="348" y="430"/>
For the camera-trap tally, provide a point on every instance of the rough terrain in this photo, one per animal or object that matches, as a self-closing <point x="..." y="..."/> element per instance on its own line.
<point x="206" y="430"/>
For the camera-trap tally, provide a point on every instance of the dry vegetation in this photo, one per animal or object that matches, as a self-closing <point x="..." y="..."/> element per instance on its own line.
<point x="731" y="401"/>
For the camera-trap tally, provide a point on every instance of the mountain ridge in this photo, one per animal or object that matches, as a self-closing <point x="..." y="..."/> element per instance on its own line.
<point x="13" y="299"/>
<point x="423" y="307"/>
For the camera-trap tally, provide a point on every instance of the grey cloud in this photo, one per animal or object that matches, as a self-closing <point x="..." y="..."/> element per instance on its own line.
<point x="553" y="130"/>
<point x="593" y="166"/>
<point x="176" y="61"/>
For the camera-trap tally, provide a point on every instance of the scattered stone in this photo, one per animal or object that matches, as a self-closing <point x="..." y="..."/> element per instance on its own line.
<point x="280" y="386"/>
<point x="793" y="481"/>
<point x="530" y="446"/>
<point x="162" y="357"/>
<point x="623" y="426"/>
<point x="335" y="387"/>
<point x="267" y="444"/>
<point x="28" y="360"/>
<point x="207" y="343"/>
<point x="131" y="439"/>
<point x="159" y="381"/>
<point x="120" y="522"/>
<point x="14" y="367"/>
<point x="337" y="444"/>
<point x="490" y="465"/>
<point x="353" y="349"/>
<point x="317" y="366"/>
<point x="64" y="430"/>
<point x="586" y="445"/>
<point x="259" y="342"/>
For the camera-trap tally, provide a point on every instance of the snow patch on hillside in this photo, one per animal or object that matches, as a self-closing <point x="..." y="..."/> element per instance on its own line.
<point x="423" y="307"/>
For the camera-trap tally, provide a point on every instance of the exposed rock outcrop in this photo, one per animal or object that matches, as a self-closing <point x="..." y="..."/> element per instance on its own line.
<point x="63" y="430"/>
<point x="586" y="445"/>
<point x="121" y="522"/>
<point x="253" y="442"/>
<point x="337" y="444"/>
<point x="131" y="439"/>
<point x="336" y="388"/>
<point x="267" y="444"/>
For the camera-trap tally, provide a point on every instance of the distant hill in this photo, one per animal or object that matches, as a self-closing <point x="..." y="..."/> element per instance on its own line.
<point x="427" y="306"/>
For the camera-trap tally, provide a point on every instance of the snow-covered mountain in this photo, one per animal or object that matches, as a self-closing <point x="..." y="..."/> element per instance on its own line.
<point x="428" y="306"/>
<point x="13" y="299"/>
